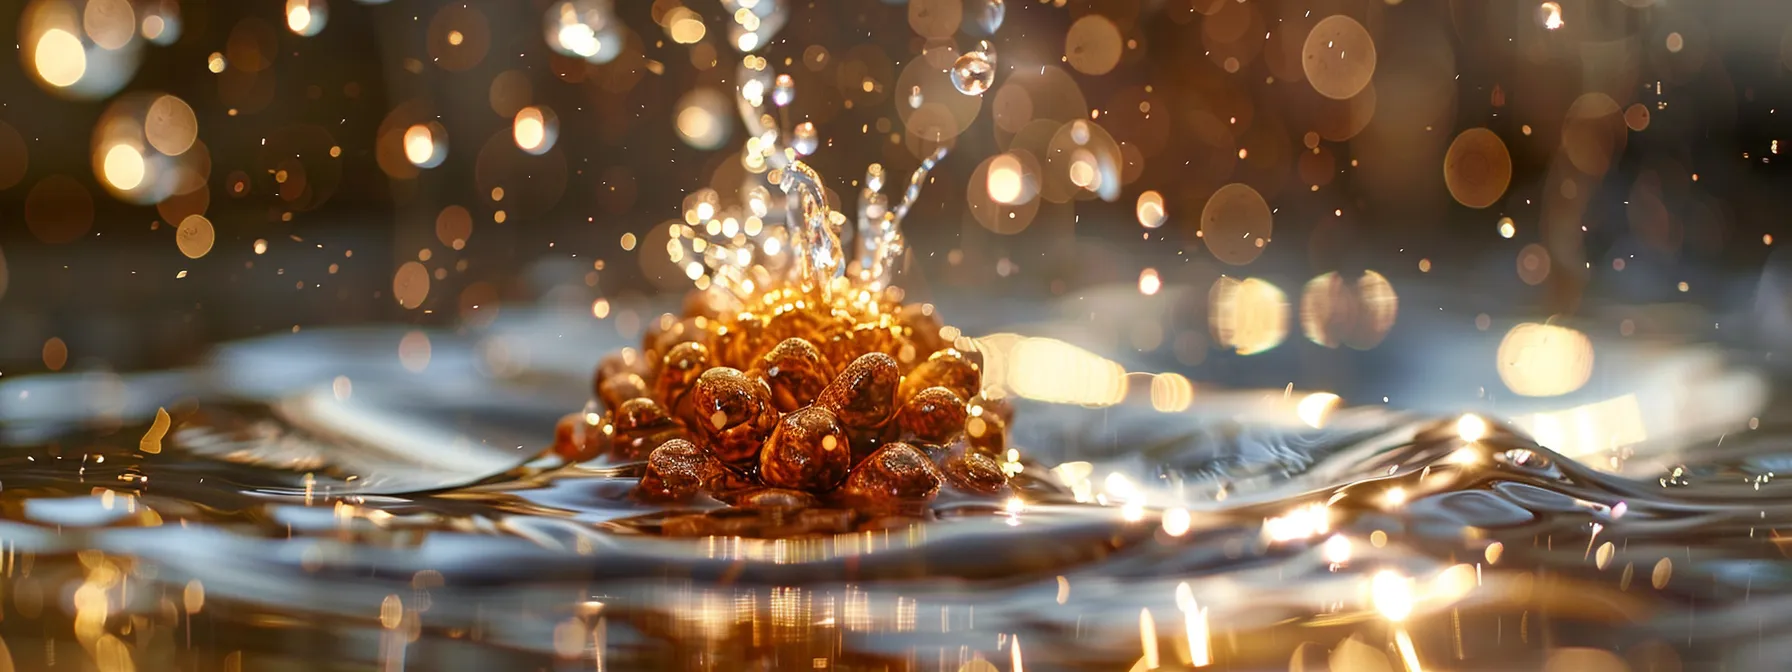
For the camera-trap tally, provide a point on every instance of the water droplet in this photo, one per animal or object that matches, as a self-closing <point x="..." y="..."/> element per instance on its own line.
<point x="804" y="139"/>
<point x="990" y="18"/>
<point x="914" y="97"/>
<point x="783" y="90"/>
<point x="974" y="72"/>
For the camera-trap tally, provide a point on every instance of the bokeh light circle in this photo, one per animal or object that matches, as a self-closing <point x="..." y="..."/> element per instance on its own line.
<point x="1236" y="224"/>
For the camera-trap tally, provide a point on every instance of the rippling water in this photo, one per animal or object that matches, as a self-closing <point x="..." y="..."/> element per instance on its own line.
<point x="388" y="519"/>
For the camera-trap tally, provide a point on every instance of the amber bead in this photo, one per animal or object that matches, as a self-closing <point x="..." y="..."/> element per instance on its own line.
<point x="739" y="345"/>
<point x="733" y="413"/>
<point x="637" y="427"/>
<point x="897" y="471"/>
<point x="933" y="415"/>
<point x="569" y="437"/>
<point x="624" y="361"/>
<point x="923" y="325"/>
<point x="714" y="303"/>
<point x="678" y="374"/>
<point x="863" y="395"/>
<point x="676" y="471"/>
<point x="947" y="368"/>
<point x="992" y="404"/>
<point x="620" y="388"/>
<point x="808" y="451"/>
<point x="987" y="433"/>
<point x="796" y="372"/>
<point x="971" y="471"/>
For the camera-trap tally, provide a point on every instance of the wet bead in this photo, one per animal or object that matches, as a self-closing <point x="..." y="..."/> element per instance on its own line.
<point x="923" y="325"/>
<point x="933" y="415"/>
<point x="620" y="388"/>
<point x="992" y="402"/>
<point x="678" y="373"/>
<point x="987" y="433"/>
<point x="796" y="372"/>
<point x="569" y="437"/>
<point x="713" y="303"/>
<point x="739" y="345"/>
<point x="863" y="395"/>
<point x="733" y="413"/>
<point x="947" y="368"/>
<point x="676" y="471"/>
<point x="897" y="471"/>
<point x="973" y="472"/>
<point x="635" y="428"/>
<point x="808" y="451"/>
<point x="626" y="360"/>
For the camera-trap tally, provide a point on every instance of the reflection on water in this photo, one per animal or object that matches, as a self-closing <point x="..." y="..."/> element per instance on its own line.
<point x="404" y="521"/>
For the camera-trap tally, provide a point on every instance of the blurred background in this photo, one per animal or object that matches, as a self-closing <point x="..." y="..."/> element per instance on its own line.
<point x="1463" y="197"/>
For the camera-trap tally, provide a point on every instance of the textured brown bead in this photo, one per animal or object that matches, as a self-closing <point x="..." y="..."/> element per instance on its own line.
<point x="620" y="388"/>
<point x="677" y="374"/>
<point x="933" y="415"/>
<point x="637" y="427"/>
<point x="733" y="413"/>
<point x="863" y="395"/>
<point x="897" y="471"/>
<point x="947" y="368"/>
<point x="972" y="471"/>
<point x="738" y="345"/>
<point x="796" y="372"/>
<point x="809" y="451"/>
<point x="987" y="432"/>
<point x="676" y="471"/>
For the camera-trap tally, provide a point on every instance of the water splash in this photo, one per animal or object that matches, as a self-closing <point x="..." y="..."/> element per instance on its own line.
<point x="747" y="249"/>
<point x="975" y="71"/>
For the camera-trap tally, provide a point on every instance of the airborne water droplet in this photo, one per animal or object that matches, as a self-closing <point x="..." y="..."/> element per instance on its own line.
<point x="914" y="97"/>
<point x="974" y="72"/>
<point x="783" y="91"/>
<point x="991" y="16"/>
<point x="804" y="139"/>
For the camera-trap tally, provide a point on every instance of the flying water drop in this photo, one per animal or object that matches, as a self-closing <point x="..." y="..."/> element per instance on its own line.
<point x="914" y="97"/>
<point x="783" y="90"/>
<point x="804" y="139"/>
<point x="975" y="71"/>
<point x="989" y="16"/>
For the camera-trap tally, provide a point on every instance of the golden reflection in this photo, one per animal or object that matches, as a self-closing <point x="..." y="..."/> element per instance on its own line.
<point x="1249" y="316"/>
<point x="60" y="59"/>
<point x="1149" y="283"/>
<point x="425" y="145"/>
<point x="1150" y="210"/>
<point x="109" y="23"/>
<point x="1171" y="392"/>
<point x="1544" y="360"/>
<point x="1338" y="57"/>
<point x="1148" y="638"/>
<point x="195" y="236"/>
<point x="1391" y="593"/>
<point x="1471" y="427"/>
<point x="1050" y="370"/>
<point x="123" y="167"/>
<point x="535" y="129"/>
<point x="1004" y="183"/>
<point x="1314" y="408"/>
<point x="1236" y="224"/>
<point x="306" y="17"/>
<point x="1303" y="522"/>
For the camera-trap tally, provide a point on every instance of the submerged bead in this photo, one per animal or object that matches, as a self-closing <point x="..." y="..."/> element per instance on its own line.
<point x="676" y="471"/>
<point x="808" y="451"/>
<point x="971" y="471"/>
<point x="897" y="471"/>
